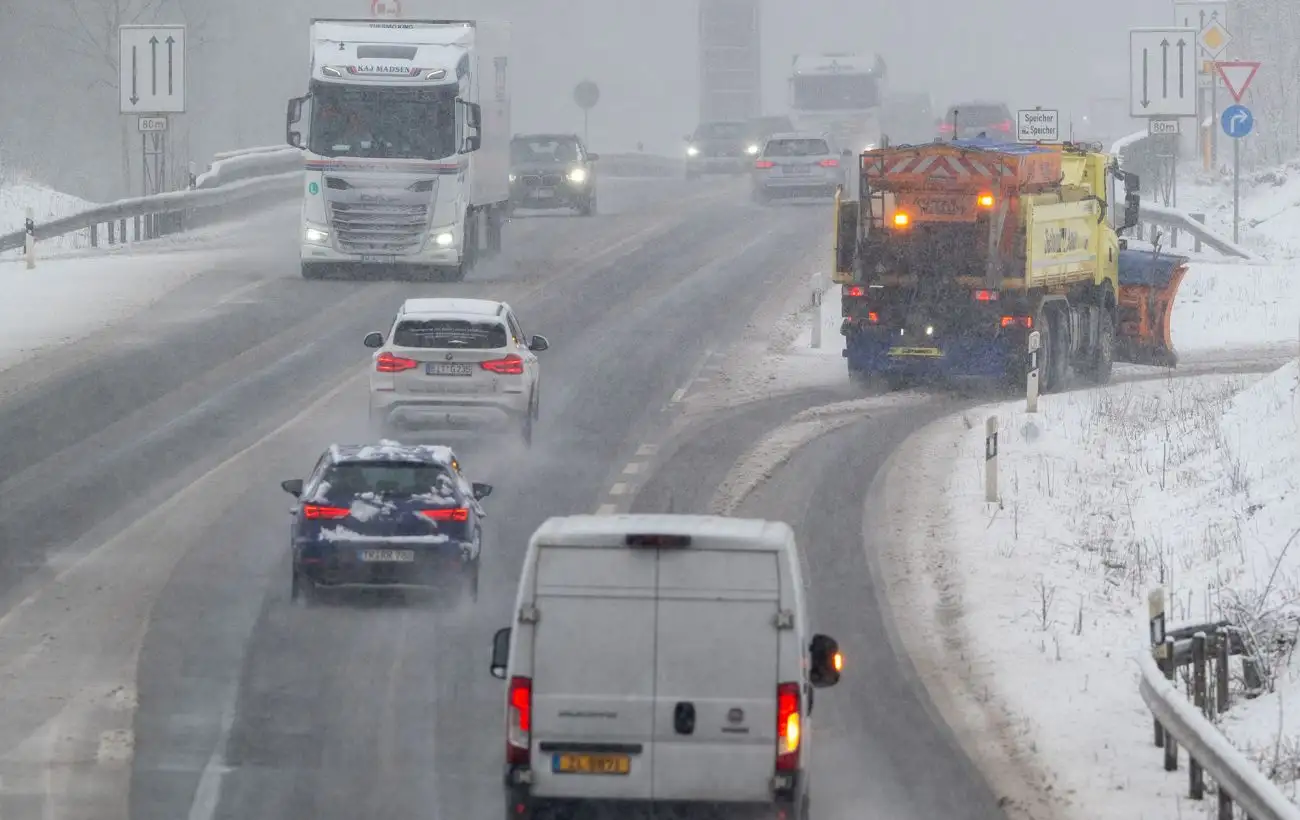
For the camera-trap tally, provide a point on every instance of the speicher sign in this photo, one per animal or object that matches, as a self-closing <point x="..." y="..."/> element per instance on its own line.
<point x="1038" y="125"/>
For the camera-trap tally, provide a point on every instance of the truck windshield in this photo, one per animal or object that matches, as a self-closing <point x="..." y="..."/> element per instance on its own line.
<point x="836" y="91"/>
<point x="384" y="123"/>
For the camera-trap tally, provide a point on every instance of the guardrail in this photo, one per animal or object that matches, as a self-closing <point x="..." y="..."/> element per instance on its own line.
<point x="1152" y="215"/>
<point x="1207" y="650"/>
<point x="255" y="176"/>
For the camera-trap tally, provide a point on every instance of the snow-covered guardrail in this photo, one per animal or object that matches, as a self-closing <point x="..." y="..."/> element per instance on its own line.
<point x="1206" y="651"/>
<point x="1151" y="214"/>
<point x="256" y="176"/>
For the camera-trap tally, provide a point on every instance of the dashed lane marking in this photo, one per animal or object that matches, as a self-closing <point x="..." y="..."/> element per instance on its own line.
<point x="618" y="489"/>
<point x="607" y="509"/>
<point x="632" y="468"/>
<point x="647" y="450"/>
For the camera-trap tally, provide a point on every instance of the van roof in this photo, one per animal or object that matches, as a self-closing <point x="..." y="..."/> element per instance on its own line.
<point x="713" y="532"/>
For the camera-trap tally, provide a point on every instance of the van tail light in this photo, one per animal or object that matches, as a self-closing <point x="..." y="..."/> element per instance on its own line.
<point x="388" y="363"/>
<point x="764" y="163"/>
<point x="1026" y="322"/>
<point x="316" y="512"/>
<point x="787" y="727"/>
<point x="511" y="365"/>
<point x="453" y="514"/>
<point x="829" y="163"/>
<point x="519" y="721"/>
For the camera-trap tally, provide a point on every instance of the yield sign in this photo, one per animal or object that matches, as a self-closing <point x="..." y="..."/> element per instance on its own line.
<point x="1237" y="76"/>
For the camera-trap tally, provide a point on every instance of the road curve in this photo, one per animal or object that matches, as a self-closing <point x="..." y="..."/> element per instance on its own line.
<point x="151" y="663"/>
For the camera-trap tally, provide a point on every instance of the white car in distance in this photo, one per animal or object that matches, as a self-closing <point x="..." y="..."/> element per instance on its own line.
<point x="452" y="364"/>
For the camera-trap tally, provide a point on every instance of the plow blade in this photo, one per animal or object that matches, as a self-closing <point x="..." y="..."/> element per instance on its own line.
<point x="1148" y="285"/>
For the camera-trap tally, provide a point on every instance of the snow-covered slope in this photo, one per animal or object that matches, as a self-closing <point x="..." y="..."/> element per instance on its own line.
<point x="17" y="194"/>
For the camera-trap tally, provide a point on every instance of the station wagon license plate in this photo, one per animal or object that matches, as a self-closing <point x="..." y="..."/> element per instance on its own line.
<point x="795" y="169"/>
<point x="590" y="764"/>
<point x="445" y="369"/>
<point x="372" y="259"/>
<point x="388" y="556"/>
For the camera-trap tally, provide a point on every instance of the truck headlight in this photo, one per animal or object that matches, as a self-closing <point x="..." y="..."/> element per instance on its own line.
<point x="692" y="151"/>
<point x="444" y="239"/>
<point x="578" y="175"/>
<point x="315" y="235"/>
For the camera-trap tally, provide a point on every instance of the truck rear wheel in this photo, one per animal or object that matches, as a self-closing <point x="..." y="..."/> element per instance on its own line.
<point x="1046" y="324"/>
<point x="1102" y="360"/>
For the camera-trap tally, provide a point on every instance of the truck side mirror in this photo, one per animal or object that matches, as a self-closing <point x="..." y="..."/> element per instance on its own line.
<point x="1131" y="183"/>
<point x="472" y="143"/>
<point x="474" y="115"/>
<point x="826" y="661"/>
<point x="1132" y="209"/>
<point x="500" y="653"/>
<point x="292" y="116"/>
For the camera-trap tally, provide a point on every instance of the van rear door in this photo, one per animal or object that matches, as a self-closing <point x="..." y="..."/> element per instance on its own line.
<point x="593" y="673"/>
<point x="717" y="657"/>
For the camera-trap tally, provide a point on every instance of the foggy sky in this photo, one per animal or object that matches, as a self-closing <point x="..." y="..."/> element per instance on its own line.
<point x="641" y="53"/>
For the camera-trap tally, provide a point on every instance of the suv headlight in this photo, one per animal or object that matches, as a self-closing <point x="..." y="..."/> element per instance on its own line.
<point x="578" y="175"/>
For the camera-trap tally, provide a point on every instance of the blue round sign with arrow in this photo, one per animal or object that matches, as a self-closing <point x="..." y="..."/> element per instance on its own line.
<point x="1237" y="121"/>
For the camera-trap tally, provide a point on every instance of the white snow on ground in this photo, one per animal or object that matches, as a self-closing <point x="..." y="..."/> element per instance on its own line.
<point x="1270" y="207"/>
<point x="62" y="301"/>
<point x="1189" y="484"/>
<point x="18" y="193"/>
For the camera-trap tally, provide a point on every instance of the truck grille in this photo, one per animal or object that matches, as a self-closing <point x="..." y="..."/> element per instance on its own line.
<point x="540" y="180"/>
<point x="373" y="228"/>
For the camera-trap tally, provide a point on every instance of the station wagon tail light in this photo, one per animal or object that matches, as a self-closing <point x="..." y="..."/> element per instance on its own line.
<point x="764" y="163"/>
<point x="458" y="514"/>
<point x="511" y="365"/>
<point x="829" y="163"/>
<point x="519" y="722"/>
<point x="388" y="363"/>
<point x="316" y="512"/>
<point x="787" y="727"/>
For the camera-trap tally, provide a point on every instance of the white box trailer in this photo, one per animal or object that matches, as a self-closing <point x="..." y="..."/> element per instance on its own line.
<point x="406" y="137"/>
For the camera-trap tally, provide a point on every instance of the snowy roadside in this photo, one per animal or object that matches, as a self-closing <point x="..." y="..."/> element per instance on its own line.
<point x="1270" y="218"/>
<point x="1040" y="600"/>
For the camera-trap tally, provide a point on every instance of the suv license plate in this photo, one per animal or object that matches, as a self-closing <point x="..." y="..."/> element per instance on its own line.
<point x="388" y="556"/>
<point x="444" y="369"/>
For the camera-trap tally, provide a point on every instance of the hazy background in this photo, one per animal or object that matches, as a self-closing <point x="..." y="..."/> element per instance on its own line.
<point x="246" y="57"/>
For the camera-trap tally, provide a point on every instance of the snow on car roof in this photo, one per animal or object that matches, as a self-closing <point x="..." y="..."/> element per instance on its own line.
<point x="796" y="135"/>
<point x="479" y="307"/>
<point x="387" y="450"/>
<point x="710" y="531"/>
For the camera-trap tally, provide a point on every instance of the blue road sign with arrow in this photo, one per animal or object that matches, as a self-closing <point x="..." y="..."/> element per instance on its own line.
<point x="1237" y="121"/>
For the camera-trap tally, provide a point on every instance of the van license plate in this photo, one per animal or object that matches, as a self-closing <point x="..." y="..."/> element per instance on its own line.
<point x="444" y="369"/>
<point x="590" y="764"/>
<point x="388" y="556"/>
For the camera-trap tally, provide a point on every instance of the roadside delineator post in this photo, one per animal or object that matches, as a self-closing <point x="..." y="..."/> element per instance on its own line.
<point x="1031" y="381"/>
<point x="1156" y="619"/>
<point x="817" y="294"/>
<point x="991" y="459"/>
<point x="29" y="240"/>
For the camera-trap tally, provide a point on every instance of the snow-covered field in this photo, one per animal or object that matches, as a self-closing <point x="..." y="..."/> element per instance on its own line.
<point x="1270" y="207"/>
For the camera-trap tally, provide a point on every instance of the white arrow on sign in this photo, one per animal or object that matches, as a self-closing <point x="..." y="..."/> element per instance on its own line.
<point x="1237" y="76"/>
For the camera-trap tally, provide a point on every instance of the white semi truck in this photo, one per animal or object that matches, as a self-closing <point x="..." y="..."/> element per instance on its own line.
<point x="405" y="130"/>
<point x="839" y="94"/>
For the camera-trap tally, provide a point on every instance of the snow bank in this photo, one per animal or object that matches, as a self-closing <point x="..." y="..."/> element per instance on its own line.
<point x="18" y="194"/>
<point x="1234" y="305"/>
<point x="1270" y="207"/>
<point x="62" y="301"/>
<point x="1187" y="484"/>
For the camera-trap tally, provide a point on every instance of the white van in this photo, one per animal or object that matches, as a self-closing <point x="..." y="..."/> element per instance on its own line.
<point x="661" y="659"/>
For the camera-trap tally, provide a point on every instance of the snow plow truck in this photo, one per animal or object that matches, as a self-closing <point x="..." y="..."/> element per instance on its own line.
<point x="954" y="252"/>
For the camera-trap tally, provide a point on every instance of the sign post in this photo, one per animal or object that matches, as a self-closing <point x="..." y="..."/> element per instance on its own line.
<point x="991" y="459"/>
<point x="1210" y="19"/>
<point x="1237" y="122"/>
<point x="1031" y="381"/>
<point x="151" y="81"/>
<point x="586" y="94"/>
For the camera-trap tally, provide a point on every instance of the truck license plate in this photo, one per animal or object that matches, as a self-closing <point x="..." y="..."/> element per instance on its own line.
<point x="372" y="259"/>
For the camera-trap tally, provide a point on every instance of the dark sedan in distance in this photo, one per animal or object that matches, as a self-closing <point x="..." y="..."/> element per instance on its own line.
<point x="386" y="515"/>
<point x="550" y="171"/>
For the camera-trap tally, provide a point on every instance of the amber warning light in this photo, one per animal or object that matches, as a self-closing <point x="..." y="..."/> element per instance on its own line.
<point x="901" y="220"/>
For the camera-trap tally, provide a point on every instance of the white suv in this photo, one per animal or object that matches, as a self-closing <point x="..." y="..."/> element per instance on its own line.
<point x="450" y="364"/>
